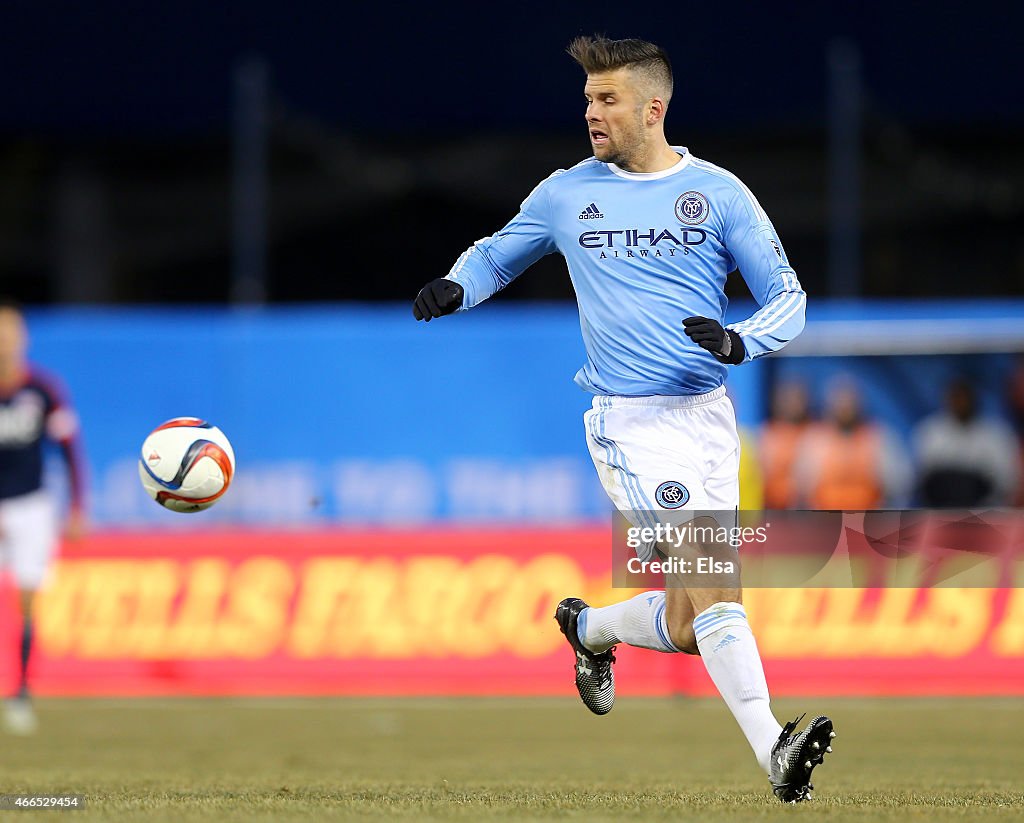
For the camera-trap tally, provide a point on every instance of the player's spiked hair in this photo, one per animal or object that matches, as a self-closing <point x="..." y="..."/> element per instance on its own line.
<point x="597" y="53"/>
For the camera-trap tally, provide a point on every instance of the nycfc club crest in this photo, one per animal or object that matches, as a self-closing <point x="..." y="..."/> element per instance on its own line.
<point x="692" y="208"/>
<point x="671" y="495"/>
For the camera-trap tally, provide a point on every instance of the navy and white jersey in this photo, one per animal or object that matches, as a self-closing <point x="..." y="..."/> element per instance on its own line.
<point x="645" y="251"/>
<point x="32" y="412"/>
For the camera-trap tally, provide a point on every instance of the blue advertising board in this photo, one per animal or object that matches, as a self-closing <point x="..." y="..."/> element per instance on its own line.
<point x="357" y="414"/>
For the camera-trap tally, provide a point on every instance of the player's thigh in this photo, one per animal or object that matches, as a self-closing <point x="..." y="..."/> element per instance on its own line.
<point x="722" y="453"/>
<point x="723" y="487"/>
<point x="649" y="485"/>
<point x="605" y="458"/>
<point x="31" y="535"/>
<point x="637" y="465"/>
<point x="723" y="494"/>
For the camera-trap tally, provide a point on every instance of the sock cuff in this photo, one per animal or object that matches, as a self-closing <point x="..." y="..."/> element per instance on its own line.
<point x="581" y="626"/>
<point x="718" y="616"/>
<point x="661" y="625"/>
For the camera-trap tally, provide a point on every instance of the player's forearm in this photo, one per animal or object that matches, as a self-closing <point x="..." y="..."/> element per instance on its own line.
<point x="479" y="275"/>
<point x="72" y="458"/>
<point x="778" y="322"/>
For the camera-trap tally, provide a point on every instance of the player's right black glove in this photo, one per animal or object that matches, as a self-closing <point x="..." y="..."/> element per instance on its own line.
<point x="437" y="298"/>
<point x="725" y="344"/>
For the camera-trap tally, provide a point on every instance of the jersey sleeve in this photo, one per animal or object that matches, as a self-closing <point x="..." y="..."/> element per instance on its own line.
<point x="492" y="263"/>
<point x="756" y="249"/>
<point x="63" y="429"/>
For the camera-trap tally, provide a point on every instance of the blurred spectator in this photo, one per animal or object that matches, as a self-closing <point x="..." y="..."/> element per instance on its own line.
<point x="965" y="459"/>
<point x="780" y="443"/>
<point x="850" y="462"/>
<point x="1015" y="405"/>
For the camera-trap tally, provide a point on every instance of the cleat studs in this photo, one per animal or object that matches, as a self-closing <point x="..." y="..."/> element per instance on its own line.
<point x="815" y="745"/>
<point x="828" y="749"/>
<point x="808" y="765"/>
<point x="831" y="735"/>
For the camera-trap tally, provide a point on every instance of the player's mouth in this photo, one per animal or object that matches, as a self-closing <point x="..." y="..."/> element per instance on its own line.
<point x="598" y="137"/>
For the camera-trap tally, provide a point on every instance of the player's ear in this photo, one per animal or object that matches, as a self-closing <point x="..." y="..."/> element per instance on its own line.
<point x="655" y="110"/>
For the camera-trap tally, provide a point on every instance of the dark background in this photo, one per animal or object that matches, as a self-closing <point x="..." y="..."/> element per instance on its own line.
<point x="400" y="133"/>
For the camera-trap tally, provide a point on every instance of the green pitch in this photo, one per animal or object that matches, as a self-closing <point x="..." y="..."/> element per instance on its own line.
<point x="679" y="760"/>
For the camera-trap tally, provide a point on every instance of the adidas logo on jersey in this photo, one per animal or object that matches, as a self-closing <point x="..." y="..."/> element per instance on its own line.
<point x="591" y="212"/>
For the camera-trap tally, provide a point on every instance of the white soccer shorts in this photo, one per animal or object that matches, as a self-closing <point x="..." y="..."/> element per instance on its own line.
<point x="29" y="533"/>
<point x="660" y="459"/>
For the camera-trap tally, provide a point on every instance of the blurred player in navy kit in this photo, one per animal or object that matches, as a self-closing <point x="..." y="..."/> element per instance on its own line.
<point x="32" y="411"/>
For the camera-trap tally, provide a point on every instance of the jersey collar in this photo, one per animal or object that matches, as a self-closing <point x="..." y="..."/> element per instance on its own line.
<point x="684" y="161"/>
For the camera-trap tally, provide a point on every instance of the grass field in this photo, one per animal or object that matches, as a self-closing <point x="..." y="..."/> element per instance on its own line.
<point x="495" y="759"/>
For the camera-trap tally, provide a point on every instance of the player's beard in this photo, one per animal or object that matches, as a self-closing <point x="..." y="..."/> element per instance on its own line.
<point x="627" y="150"/>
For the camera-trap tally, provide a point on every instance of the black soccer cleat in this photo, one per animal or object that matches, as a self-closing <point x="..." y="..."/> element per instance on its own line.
<point x="794" y="758"/>
<point x="595" y="680"/>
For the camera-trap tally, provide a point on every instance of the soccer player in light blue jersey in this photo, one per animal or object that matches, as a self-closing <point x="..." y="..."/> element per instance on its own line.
<point x="649" y="234"/>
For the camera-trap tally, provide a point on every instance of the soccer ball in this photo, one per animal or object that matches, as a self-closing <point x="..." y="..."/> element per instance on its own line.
<point x="186" y="464"/>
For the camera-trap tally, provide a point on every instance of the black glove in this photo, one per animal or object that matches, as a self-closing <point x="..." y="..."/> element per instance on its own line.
<point x="724" y="344"/>
<point x="437" y="298"/>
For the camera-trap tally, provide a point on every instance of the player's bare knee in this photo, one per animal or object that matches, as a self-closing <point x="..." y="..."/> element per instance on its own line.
<point x="717" y="569"/>
<point x="679" y="619"/>
<point x="683" y="637"/>
<point x="702" y="599"/>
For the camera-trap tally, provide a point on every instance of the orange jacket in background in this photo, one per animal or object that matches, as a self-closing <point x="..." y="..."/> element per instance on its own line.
<point x="848" y="469"/>
<point x="780" y="447"/>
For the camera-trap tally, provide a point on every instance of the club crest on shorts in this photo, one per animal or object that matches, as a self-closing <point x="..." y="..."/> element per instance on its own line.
<point x="692" y="208"/>
<point x="671" y="495"/>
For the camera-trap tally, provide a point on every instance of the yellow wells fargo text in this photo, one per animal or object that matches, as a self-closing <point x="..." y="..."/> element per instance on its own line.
<point x="442" y="606"/>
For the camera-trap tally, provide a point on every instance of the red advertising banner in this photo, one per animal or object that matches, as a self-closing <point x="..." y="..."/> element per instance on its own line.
<point x="457" y="611"/>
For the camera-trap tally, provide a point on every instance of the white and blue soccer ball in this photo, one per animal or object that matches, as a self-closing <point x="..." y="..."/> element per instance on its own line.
<point x="186" y="464"/>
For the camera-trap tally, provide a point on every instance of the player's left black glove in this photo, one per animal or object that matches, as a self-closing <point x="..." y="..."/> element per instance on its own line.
<point x="724" y="344"/>
<point x="438" y="298"/>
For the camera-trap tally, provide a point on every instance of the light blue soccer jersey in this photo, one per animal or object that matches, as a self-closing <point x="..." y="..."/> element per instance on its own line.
<point x="645" y="251"/>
